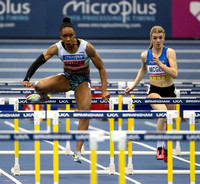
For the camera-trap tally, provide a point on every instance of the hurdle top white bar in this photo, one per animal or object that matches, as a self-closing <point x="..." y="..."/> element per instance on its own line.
<point x="95" y="114"/>
<point x="111" y="114"/>
<point x="72" y="135"/>
<point x="22" y="114"/>
<point x="138" y="101"/>
<point x="156" y="136"/>
<point x="19" y="91"/>
<point x="2" y="101"/>
<point x="110" y="84"/>
<point x="89" y="135"/>
<point x="192" y="115"/>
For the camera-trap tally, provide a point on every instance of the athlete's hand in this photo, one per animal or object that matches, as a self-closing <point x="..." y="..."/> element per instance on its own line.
<point x="156" y="60"/>
<point x="105" y="96"/>
<point x="127" y="90"/>
<point x="27" y="83"/>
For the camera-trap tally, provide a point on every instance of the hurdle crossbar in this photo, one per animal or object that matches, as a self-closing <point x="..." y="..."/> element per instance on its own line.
<point x="122" y="136"/>
<point x="136" y="101"/>
<point x="110" y="84"/>
<point x="18" y="91"/>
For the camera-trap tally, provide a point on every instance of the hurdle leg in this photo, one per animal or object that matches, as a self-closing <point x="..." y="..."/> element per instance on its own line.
<point x="178" y="121"/>
<point x="192" y="155"/>
<point x="191" y="115"/>
<point x="67" y="147"/>
<point x="93" y="158"/>
<point x="129" y="168"/>
<point x="37" y="149"/>
<point x="112" y="163"/>
<point x="55" y="153"/>
<point x="48" y="119"/>
<point x="120" y="108"/>
<point x="111" y="168"/>
<point x="94" y="138"/>
<point x="93" y="167"/>
<point x="122" y="164"/>
<point x="16" y="169"/>
<point x="121" y="138"/>
<point x="170" y="117"/>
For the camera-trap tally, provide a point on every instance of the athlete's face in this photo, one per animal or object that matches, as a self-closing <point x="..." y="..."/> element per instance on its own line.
<point x="157" y="39"/>
<point x="67" y="34"/>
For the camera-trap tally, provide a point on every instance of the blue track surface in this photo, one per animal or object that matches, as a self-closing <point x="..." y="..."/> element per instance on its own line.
<point x="121" y="59"/>
<point x="140" y="162"/>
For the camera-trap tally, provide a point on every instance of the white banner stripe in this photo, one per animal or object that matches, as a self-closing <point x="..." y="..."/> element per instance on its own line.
<point x="124" y="60"/>
<point x="15" y="50"/>
<point x="93" y="70"/>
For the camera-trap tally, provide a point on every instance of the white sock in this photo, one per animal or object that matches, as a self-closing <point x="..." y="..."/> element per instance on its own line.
<point x="162" y="144"/>
<point x="165" y="145"/>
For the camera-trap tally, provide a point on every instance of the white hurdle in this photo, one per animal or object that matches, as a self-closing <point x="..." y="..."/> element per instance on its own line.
<point x="192" y="115"/>
<point x="55" y="115"/>
<point x="2" y="101"/>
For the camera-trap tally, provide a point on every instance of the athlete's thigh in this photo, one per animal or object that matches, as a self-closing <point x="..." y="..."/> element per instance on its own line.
<point x="83" y="96"/>
<point x="54" y="84"/>
<point x="171" y="106"/>
<point x="157" y="106"/>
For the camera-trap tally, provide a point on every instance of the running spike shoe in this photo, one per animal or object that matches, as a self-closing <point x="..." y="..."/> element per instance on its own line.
<point x="165" y="155"/>
<point x="77" y="157"/>
<point x="33" y="98"/>
<point x="160" y="153"/>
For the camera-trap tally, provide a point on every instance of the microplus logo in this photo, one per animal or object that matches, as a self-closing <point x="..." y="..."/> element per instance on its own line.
<point x="14" y="8"/>
<point x="12" y="12"/>
<point x="195" y="9"/>
<point x="109" y="11"/>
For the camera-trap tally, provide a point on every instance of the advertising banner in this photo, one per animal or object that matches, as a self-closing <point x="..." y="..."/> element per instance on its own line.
<point x="22" y="19"/>
<point x="185" y="18"/>
<point x="118" y="19"/>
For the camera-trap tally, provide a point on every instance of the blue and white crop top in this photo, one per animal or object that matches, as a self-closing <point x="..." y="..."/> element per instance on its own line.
<point x="153" y="69"/>
<point x="76" y="60"/>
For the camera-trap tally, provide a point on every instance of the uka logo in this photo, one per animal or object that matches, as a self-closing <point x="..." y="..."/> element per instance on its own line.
<point x="195" y="9"/>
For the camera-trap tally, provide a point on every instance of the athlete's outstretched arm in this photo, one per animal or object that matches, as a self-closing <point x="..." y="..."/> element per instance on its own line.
<point x="94" y="56"/>
<point x="39" y="62"/>
<point x="140" y="75"/>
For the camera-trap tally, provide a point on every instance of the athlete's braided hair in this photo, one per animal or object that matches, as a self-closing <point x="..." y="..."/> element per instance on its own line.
<point x="66" y="23"/>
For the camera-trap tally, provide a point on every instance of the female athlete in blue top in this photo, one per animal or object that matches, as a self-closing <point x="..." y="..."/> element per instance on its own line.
<point x="160" y="63"/>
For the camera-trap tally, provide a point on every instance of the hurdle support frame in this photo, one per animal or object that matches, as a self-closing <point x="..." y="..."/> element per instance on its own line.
<point x="191" y="116"/>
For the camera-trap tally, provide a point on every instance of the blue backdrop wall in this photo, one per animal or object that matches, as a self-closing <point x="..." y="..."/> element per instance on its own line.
<point x="117" y="19"/>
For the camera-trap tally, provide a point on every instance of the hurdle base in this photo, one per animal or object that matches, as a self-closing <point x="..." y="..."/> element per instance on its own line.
<point x="177" y="150"/>
<point x="129" y="169"/>
<point x="15" y="170"/>
<point x="111" y="169"/>
<point x="82" y="150"/>
<point x="67" y="150"/>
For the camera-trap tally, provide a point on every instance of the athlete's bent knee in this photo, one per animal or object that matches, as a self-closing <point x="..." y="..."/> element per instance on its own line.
<point x="38" y="87"/>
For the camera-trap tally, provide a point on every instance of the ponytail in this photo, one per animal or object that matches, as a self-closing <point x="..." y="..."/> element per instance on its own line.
<point x="150" y="46"/>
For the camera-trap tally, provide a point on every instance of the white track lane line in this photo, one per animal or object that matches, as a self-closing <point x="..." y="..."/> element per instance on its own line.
<point x="61" y="147"/>
<point x="179" y="158"/>
<point x="142" y="144"/>
<point x="10" y="177"/>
